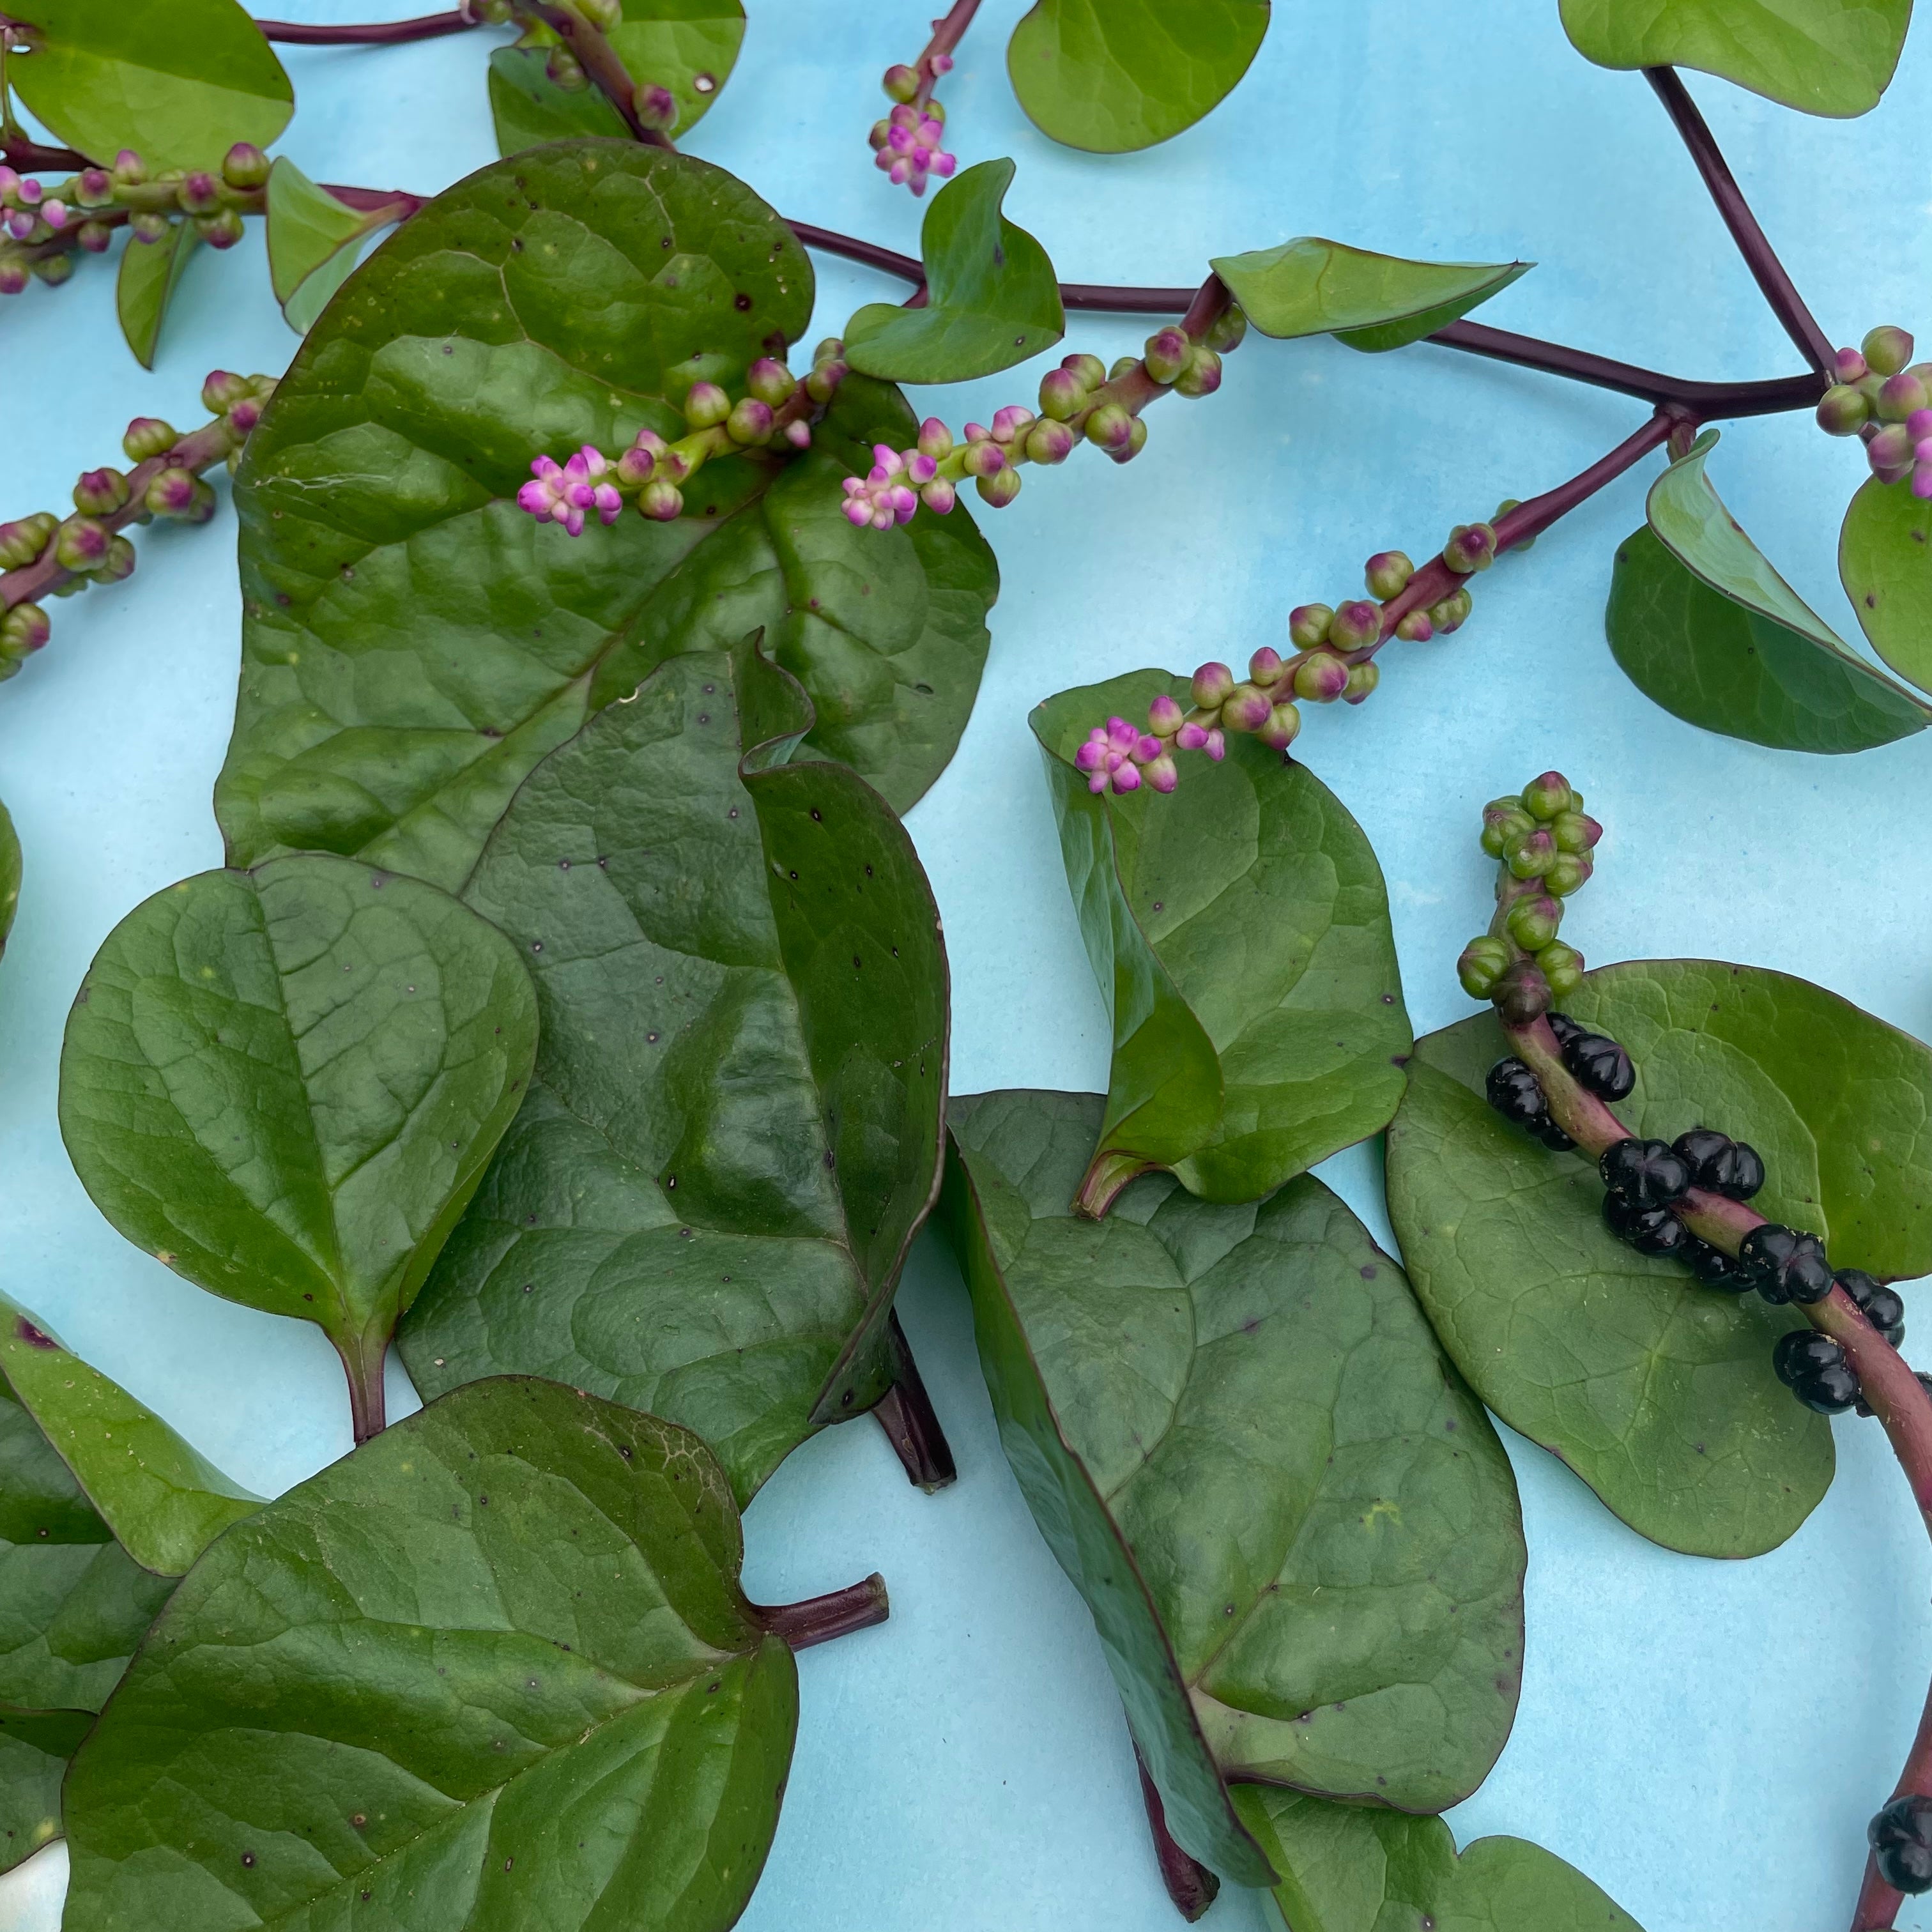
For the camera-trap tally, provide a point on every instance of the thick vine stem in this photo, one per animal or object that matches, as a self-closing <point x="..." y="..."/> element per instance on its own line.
<point x="368" y="1401"/>
<point x="820" y="1619"/>
<point x="1191" y="1885"/>
<point x="911" y="1422"/>
<point x="600" y="60"/>
<point x="1767" y="270"/>
<point x="22" y="151"/>
<point x="947" y="33"/>
<point x="373" y="33"/>
<point x="1877" y="1908"/>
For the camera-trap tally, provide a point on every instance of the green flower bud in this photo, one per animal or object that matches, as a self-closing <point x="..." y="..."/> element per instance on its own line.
<point x="492" y="13"/>
<point x="1888" y="350"/>
<point x="706" y="405"/>
<point x="661" y="500"/>
<point x="1110" y="425"/>
<point x="53" y="269"/>
<point x="1890" y="448"/>
<point x="1903" y="393"/>
<point x="823" y="383"/>
<point x="1532" y="921"/>
<point x="1356" y="623"/>
<point x="1202" y="375"/>
<point x="564" y="71"/>
<point x="1213" y="684"/>
<point x="130" y="170"/>
<point x="81" y="545"/>
<point x="1136" y="442"/>
<point x="1062" y="395"/>
<point x="1562" y="966"/>
<point x="770" y="381"/>
<point x="1452" y="613"/>
<point x="1573" y="832"/>
<point x="244" y="165"/>
<point x="1048" y="443"/>
<point x="901" y="83"/>
<point x="1544" y="797"/>
<point x="1167" y="353"/>
<point x="21" y="542"/>
<point x="1415" y="627"/>
<point x="1362" y="679"/>
<point x="1386" y="574"/>
<point x="1471" y="547"/>
<point x="220" y="231"/>
<point x="148" y="228"/>
<point x="750" y="422"/>
<point x="118" y="566"/>
<point x="198" y="192"/>
<point x="1320" y="678"/>
<point x="1225" y="332"/>
<point x="222" y="390"/>
<point x="23" y="630"/>
<point x="1089" y="371"/>
<point x="655" y="106"/>
<point x="1843" y="411"/>
<point x="606" y="15"/>
<point x="1284" y="721"/>
<point x="1532" y="855"/>
<point x="100" y="493"/>
<point x="1505" y="821"/>
<point x="1482" y="965"/>
<point x="999" y="489"/>
<point x="1568" y="871"/>
<point x="1247" y="708"/>
<point x="832" y="349"/>
<point x="1308" y="625"/>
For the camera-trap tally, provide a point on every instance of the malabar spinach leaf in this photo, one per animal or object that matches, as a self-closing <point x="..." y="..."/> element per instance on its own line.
<point x="494" y="1668"/>
<point x="9" y="875"/>
<point x="1295" y="1527"/>
<point x="1112" y="75"/>
<point x="34" y="1748"/>
<point x="285" y="1084"/>
<point x="150" y="273"/>
<point x="1703" y="625"/>
<point x="1888" y="575"/>
<point x="1311" y="287"/>
<point x="1239" y="931"/>
<point x="313" y="242"/>
<point x="994" y="297"/>
<point x="735" y="1129"/>
<point x="529" y="110"/>
<point x="180" y="84"/>
<point x="414" y="643"/>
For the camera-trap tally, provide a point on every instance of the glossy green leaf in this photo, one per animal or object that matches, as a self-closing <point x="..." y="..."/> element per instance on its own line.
<point x="1311" y="287"/>
<point x="994" y="297"/>
<point x="413" y="643"/>
<point x="1883" y="564"/>
<point x="150" y="273"/>
<point x="1833" y="57"/>
<point x="1295" y="1527"/>
<point x="734" y="1132"/>
<point x="1349" y="1868"/>
<point x="530" y="110"/>
<point x="9" y="875"/>
<point x="495" y="1668"/>
<point x="314" y="241"/>
<point x="181" y="84"/>
<point x="164" y="1500"/>
<point x="1657" y="1391"/>
<point x="1239" y="931"/>
<point x="1112" y="75"/>
<point x="1703" y="625"/>
<point x="285" y="1084"/>
<point x="34" y="1747"/>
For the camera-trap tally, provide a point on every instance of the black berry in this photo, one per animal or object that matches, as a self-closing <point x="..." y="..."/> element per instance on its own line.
<point x="1650" y="1230"/>
<point x="1901" y="1841"/>
<point x="1600" y="1065"/>
<point x="1646" y="1173"/>
<point x="1564" y="1027"/>
<point x="1714" y="1267"/>
<point x="1831" y="1391"/>
<point x="1554" y="1137"/>
<point x="1879" y="1305"/>
<point x="1802" y="1354"/>
<point x="1720" y="1164"/>
<point x="1785" y="1265"/>
<point x="1748" y="1176"/>
<point x="1514" y="1092"/>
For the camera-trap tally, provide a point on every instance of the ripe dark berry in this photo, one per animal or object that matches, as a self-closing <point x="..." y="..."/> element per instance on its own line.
<point x="1831" y="1391"/>
<point x="1800" y="1355"/>
<point x="1879" y="1305"/>
<point x="1599" y="1064"/>
<point x="1714" y="1267"/>
<point x="1900" y="1837"/>
<point x="1650" y="1230"/>
<point x="1747" y="1174"/>
<point x="1564" y="1027"/>
<point x="1514" y="1092"/>
<point x="1785" y="1265"/>
<point x="1646" y="1173"/>
<point x="1720" y="1164"/>
<point x="1554" y="1137"/>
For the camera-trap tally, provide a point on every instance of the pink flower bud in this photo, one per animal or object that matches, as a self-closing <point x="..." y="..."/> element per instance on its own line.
<point x="1126" y="778"/>
<point x="935" y="439"/>
<point x="30" y="191"/>
<point x="1163" y="774"/>
<point x="1212" y="684"/>
<point x="1264" y="666"/>
<point x="1848" y="365"/>
<point x="1246" y="709"/>
<point x="1192" y="738"/>
<point x="1164" y="715"/>
<point x="939" y="495"/>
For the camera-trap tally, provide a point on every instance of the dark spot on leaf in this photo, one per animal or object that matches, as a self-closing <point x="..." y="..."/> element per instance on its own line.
<point x="1871" y="600"/>
<point x="625" y="1450"/>
<point x="1368" y="1271"/>
<point x="741" y="302"/>
<point x="704" y="718"/>
<point x="358" y="1819"/>
<point x="529" y="1288"/>
<point x="671" y="1180"/>
<point x="652" y="1038"/>
<point x="817" y="815"/>
<point x="705" y="83"/>
<point x="563" y="865"/>
<point x="32" y="1337"/>
<point x="248" y="1858"/>
<point x="536" y="945"/>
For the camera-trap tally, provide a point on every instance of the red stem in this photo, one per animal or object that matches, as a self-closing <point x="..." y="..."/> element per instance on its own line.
<point x="1878" y="1903"/>
<point x="21" y="152"/>
<point x="820" y="1619"/>
<point x="947" y="33"/>
<point x="600" y="60"/>
<point x="1191" y="1885"/>
<point x="368" y="1401"/>
<point x="377" y="33"/>
<point x="1787" y="303"/>
<point x="911" y="1422"/>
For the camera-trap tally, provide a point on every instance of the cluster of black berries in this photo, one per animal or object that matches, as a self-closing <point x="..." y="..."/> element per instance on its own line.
<point x="1598" y="1063"/>
<point x="1813" y="1366"/>
<point x="1644" y="1180"/>
<point x="1900" y="1837"/>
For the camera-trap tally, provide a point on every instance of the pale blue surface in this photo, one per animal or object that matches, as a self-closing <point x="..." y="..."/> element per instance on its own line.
<point x="1706" y="1740"/>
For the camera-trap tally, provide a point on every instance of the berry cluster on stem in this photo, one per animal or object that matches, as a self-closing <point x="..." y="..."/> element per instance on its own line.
<point x="1881" y="396"/>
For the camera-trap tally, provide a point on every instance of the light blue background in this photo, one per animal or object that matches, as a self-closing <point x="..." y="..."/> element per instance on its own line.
<point x="1706" y="1739"/>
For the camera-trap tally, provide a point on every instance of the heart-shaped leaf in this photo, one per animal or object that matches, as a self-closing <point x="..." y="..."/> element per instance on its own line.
<point x="413" y="643"/>
<point x="34" y="1747"/>
<point x="164" y="1500"/>
<point x="1657" y="1391"/>
<point x="1703" y="625"/>
<point x="9" y="875"/>
<point x="1311" y="287"/>
<point x="1883" y="564"/>
<point x="181" y="84"/>
<point x="530" y="110"/>
<point x="1239" y="931"/>
<point x="734" y="1132"/>
<point x="1832" y="57"/>
<point x="285" y="1084"/>
<point x="994" y="297"/>
<point x="1112" y="75"/>
<point x="150" y="273"/>
<point x="1349" y="1868"/>
<point x="313" y="240"/>
<point x="494" y="1668"/>
<point x="1295" y="1529"/>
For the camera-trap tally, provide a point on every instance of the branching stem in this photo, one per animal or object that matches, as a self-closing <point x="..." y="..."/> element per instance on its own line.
<point x="600" y="60"/>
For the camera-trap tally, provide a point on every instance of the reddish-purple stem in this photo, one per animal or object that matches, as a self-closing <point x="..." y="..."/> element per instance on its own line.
<point x="601" y="61"/>
<point x="911" y="1422"/>
<point x="820" y="1619"/>
<point x="30" y="156"/>
<point x="1878" y="1904"/>
<point x="1191" y="1885"/>
<point x="375" y="34"/>
<point x="947" y="33"/>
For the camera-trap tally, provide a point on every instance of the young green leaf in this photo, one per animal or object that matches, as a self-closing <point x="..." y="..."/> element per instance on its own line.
<point x="164" y="1500"/>
<point x="1657" y="1391"/>
<point x="413" y="643"/>
<point x="180" y="84"/>
<point x="1703" y="624"/>
<point x="34" y="1748"/>
<point x="1311" y="287"/>
<point x="1296" y="1530"/>
<point x="1883" y="563"/>
<point x="313" y="240"/>
<point x="530" y="110"/>
<point x="285" y="1084"/>
<point x="1240" y="931"/>
<point x="1350" y="1868"/>
<point x="494" y="1668"/>
<point x="1831" y="57"/>
<point x="9" y="875"/>
<point x="734" y="1131"/>
<point x="150" y="271"/>
<point x="1113" y="75"/>
<point x="994" y="298"/>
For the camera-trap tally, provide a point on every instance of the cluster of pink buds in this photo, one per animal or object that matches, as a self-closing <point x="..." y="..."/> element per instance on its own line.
<point x="905" y="144"/>
<point x="1120" y="756"/>
<point x="1881" y="396"/>
<point x="776" y="413"/>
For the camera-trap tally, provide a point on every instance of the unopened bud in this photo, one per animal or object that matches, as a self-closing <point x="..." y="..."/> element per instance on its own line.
<point x="1060" y="394"/>
<point x="118" y="566"/>
<point x="1504" y="822"/>
<point x="706" y="405"/>
<point x="222" y="390"/>
<point x="655" y="106"/>
<point x="823" y="383"/>
<point x="1481" y="965"/>
<point x="198" y="192"/>
<point x="1123" y="365"/>
<point x="1136" y="442"/>
<point x="1848" y="365"/>
<point x="94" y="236"/>
<point x="798" y="433"/>
<point x="1362" y="679"/>
<point x="1387" y="573"/>
<point x="1532" y="921"/>
<point x="24" y="629"/>
<point x="1574" y="832"/>
<point x="1355" y="623"/>
<point x="493" y="12"/>
<point x="1891" y="451"/>
<point x="100" y="493"/>
<point x="1162" y="773"/>
<point x="1166" y="355"/>
<point x="148" y="228"/>
<point x="1568" y="871"/>
<point x="53" y="269"/>
<point x="1471" y="547"/>
<point x="130" y="170"/>
<point x="1225" y="332"/>
<point x="1544" y="798"/>
<point x="1089" y="371"/>
<point x="81" y="545"/>
<point x="1320" y="678"/>
<point x="1247" y="708"/>
<point x="769" y="381"/>
<point x="1452" y="613"/>
<point x="1308" y="625"/>
<point x="935" y="439"/>
<point x="1415" y="627"/>
<point x="1888" y="350"/>
<point x="244" y="165"/>
<point x="939" y="495"/>
<point x="1048" y="442"/>
<point x="1213" y="683"/>
<point x="1110" y="426"/>
<point x="1202" y="375"/>
<point x="1562" y="966"/>
<point x="1901" y="395"/>
<point x="21" y="542"/>
<point x="901" y="83"/>
<point x="170" y="493"/>
<point x="750" y="422"/>
<point x="1265" y="666"/>
<point x="1164" y="716"/>
<point x="999" y="489"/>
<point x="14" y="276"/>
<point x="1532" y="855"/>
<point x="661" y="500"/>
<point x="1843" y="411"/>
<point x="1283" y="726"/>
<point x="563" y="70"/>
<point x="831" y="349"/>
<point x="606" y="15"/>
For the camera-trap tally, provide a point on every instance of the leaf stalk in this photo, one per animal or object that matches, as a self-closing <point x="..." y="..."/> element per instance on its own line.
<point x="820" y="1619"/>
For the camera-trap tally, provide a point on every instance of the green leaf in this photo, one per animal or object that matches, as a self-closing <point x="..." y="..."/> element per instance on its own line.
<point x="1831" y="57"/>
<point x="285" y="1084"/>
<point x="413" y="643"/>
<point x="1347" y="1868"/>
<point x="734" y="1130"/>
<point x="313" y="240"/>
<point x="34" y="1747"/>
<point x="530" y="110"/>
<point x="150" y="271"/>
<point x="1883" y="563"/>
<point x="494" y="1668"/>
<point x="995" y="296"/>
<point x="1240" y="931"/>
<point x="9" y="876"/>
<point x="1310" y="287"/>
<point x="181" y="84"/>
<point x="1112" y="75"/>
<point x="1295" y="1527"/>
<point x="164" y="1500"/>
<point x="1657" y="1391"/>
<point x="1703" y="625"/>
